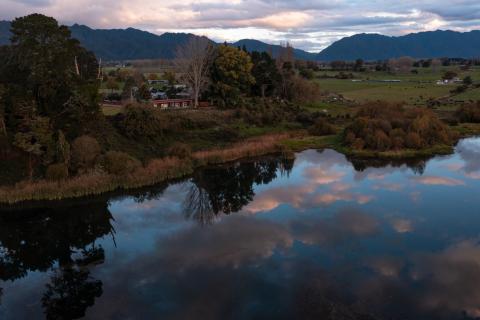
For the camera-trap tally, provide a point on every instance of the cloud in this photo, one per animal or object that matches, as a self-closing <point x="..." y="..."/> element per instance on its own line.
<point x="451" y="278"/>
<point x="322" y="182"/>
<point x="234" y="242"/>
<point x="402" y="225"/>
<point x="309" y="24"/>
<point x="343" y="226"/>
<point x="438" y="181"/>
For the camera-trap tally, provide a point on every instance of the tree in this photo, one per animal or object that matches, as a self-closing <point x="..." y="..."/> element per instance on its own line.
<point x="35" y="139"/>
<point x="449" y="75"/>
<point x="46" y="67"/>
<point x="436" y="64"/>
<point x="402" y="64"/>
<point x="112" y="84"/>
<point x="338" y="65"/>
<point x="71" y="292"/>
<point x="63" y="149"/>
<point x="193" y="59"/>
<point x="265" y="72"/>
<point x="85" y="151"/>
<point x="231" y="75"/>
<point x="468" y="81"/>
<point x="4" y="143"/>
<point x="143" y="93"/>
<point x="358" y="65"/>
<point x="127" y="92"/>
<point x="152" y="76"/>
<point x="48" y="62"/>
<point x="170" y="77"/>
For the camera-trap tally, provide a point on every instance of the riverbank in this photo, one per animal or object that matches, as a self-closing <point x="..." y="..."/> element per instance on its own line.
<point x="154" y="172"/>
<point x="168" y="168"/>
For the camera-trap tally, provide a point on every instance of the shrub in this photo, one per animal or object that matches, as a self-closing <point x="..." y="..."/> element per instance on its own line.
<point x="469" y="113"/>
<point x="307" y="73"/>
<point x="85" y="151"/>
<point x="382" y="126"/>
<point x="321" y="128"/>
<point x="413" y="141"/>
<point x="141" y="122"/>
<point x="460" y="89"/>
<point x="57" y="172"/>
<point x="120" y="163"/>
<point x="303" y="91"/>
<point x="180" y="150"/>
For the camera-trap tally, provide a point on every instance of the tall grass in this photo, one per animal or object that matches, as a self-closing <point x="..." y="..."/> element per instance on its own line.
<point x="250" y="148"/>
<point x="95" y="183"/>
<point x="156" y="171"/>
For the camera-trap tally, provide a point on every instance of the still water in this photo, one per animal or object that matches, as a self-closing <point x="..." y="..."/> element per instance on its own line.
<point x="317" y="237"/>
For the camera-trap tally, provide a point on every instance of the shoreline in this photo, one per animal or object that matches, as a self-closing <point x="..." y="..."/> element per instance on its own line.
<point x="170" y="168"/>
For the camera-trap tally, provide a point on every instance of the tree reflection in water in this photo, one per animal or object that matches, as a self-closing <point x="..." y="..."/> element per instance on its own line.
<point x="70" y="293"/>
<point x="417" y="165"/>
<point x="37" y="239"/>
<point x="227" y="189"/>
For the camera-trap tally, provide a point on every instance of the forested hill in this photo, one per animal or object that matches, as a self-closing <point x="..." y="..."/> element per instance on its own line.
<point x="255" y="45"/>
<point x="434" y="44"/>
<point x="129" y="44"/>
<point x="133" y="44"/>
<point x="4" y="32"/>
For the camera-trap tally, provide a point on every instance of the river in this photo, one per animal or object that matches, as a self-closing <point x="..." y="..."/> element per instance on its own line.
<point x="315" y="237"/>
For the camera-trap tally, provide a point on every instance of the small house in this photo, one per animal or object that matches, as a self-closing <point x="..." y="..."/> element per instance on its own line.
<point x="173" y="104"/>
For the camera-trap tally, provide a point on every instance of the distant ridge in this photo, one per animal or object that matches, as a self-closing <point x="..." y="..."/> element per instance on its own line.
<point x="134" y="44"/>
<point x="129" y="44"/>
<point x="256" y="45"/>
<point x="433" y="44"/>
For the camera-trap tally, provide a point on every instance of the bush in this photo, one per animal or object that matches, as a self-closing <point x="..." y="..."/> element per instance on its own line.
<point x="460" y="89"/>
<point x="120" y="163"/>
<point x="180" y="150"/>
<point x="303" y="91"/>
<point x="141" y="122"/>
<point x="321" y="128"/>
<point x="382" y="126"/>
<point x="307" y="73"/>
<point x="57" y="172"/>
<point x="85" y="151"/>
<point x="469" y="113"/>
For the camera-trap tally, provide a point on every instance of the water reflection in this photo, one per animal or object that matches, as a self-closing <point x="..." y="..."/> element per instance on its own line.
<point x="227" y="189"/>
<point x="318" y="238"/>
<point x="60" y="240"/>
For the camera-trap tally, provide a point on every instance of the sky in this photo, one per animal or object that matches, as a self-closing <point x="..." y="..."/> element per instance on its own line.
<point x="307" y="24"/>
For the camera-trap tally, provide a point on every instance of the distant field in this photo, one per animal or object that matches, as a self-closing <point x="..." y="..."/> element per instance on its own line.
<point x="469" y="95"/>
<point x="414" y="88"/>
<point x="112" y="110"/>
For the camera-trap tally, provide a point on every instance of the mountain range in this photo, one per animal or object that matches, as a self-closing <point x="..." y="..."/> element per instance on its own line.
<point x="134" y="44"/>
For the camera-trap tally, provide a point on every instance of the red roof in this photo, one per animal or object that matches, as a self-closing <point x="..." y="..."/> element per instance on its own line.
<point x="172" y="100"/>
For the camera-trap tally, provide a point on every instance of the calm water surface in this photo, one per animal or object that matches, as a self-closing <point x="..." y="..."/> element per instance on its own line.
<point x="318" y="237"/>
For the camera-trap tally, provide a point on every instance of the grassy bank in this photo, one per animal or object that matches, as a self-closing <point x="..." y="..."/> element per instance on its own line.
<point x="335" y="142"/>
<point x="156" y="171"/>
<point x="162" y="169"/>
<point x="95" y="183"/>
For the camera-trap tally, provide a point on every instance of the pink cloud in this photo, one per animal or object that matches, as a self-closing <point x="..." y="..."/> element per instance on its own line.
<point x="439" y="181"/>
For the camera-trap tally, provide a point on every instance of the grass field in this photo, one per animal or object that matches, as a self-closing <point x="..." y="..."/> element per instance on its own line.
<point x="112" y="110"/>
<point x="414" y="89"/>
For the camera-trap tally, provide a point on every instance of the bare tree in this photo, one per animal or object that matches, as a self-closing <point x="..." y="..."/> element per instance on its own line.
<point x="436" y="64"/>
<point x="193" y="60"/>
<point x="402" y="64"/>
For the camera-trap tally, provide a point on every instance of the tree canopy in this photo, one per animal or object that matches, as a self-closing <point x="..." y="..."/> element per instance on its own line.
<point x="231" y="75"/>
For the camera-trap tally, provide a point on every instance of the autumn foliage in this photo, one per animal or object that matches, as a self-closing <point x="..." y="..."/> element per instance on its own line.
<point x="383" y="127"/>
<point x="469" y="113"/>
